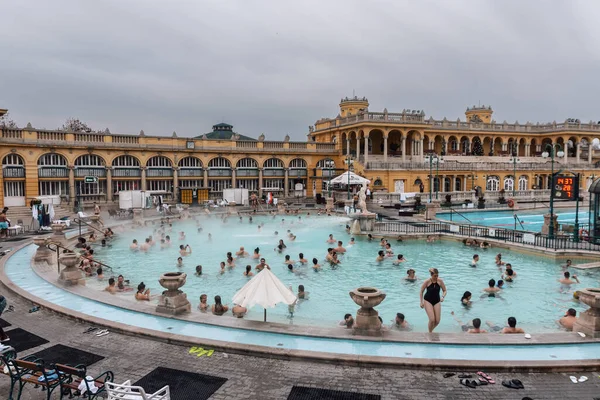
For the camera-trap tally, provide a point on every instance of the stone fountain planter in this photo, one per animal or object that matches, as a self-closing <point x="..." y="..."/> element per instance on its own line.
<point x="71" y="274"/>
<point x="59" y="236"/>
<point x="589" y="321"/>
<point x="367" y="319"/>
<point x="43" y="253"/>
<point x="173" y="301"/>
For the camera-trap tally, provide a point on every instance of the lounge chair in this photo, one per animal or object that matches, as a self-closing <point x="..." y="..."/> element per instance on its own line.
<point x="125" y="391"/>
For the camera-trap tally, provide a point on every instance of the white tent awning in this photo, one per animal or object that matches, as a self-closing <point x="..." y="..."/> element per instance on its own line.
<point x="349" y="177"/>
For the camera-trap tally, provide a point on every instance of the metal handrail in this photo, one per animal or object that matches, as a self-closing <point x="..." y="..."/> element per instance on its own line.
<point x="79" y="221"/>
<point x="453" y="210"/>
<point x="70" y="250"/>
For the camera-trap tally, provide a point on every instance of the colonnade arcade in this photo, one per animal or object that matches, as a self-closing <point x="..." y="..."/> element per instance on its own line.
<point x="60" y="175"/>
<point x="414" y="144"/>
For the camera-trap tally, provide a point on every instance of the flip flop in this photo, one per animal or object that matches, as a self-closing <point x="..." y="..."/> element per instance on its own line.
<point x="465" y="376"/>
<point x="527" y="336"/>
<point x="510" y="384"/>
<point x="573" y="379"/>
<point x="486" y="377"/>
<point x="581" y="334"/>
<point x="103" y="334"/>
<point x="518" y="383"/>
<point x="582" y="379"/>
<point x="90" y="330"/>
<point x="482" y="382"/>
<point x="449" y="374"/>
<point x="468" y="383"/>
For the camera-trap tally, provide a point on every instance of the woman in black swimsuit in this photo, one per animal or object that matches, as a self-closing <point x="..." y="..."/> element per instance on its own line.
<point x="431" y="301"/>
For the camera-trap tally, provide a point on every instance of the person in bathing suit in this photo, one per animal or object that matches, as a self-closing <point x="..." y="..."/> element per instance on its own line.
<point x="430" y="298"/>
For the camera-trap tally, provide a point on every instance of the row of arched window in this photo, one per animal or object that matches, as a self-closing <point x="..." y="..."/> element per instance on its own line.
<point x="493" y="183"/>
<point x="57" y="160"/>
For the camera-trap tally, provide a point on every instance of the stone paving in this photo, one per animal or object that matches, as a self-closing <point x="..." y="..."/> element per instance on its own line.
<point x="263" y="378"/>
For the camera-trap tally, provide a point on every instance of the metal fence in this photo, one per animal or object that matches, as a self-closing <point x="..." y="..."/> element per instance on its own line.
<point x="561" y="240"/>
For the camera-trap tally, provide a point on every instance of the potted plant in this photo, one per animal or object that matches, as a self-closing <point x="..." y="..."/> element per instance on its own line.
<point x="481" y="202"/>
<point x="448" y="201"/>
<point x="501" y="199"/>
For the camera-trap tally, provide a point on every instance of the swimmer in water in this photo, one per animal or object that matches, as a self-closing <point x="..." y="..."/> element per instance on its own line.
<point x="351" y="242"/>
<point x="301" y="259"/>
<point x="380" y="256"/>
<point x="222" y="267"/>
<point x="568" y="279"/>
<point x="248" y="271"/>
<point x="179" y="262"/>
<point x="410" y="275"/>
<point x="316" y="265"/>
<point x="330" y="239"/>
<point x="400" y="259"/>
<point x="466" y="299"/>
<point x="256" y="254"/>
<point x="499" y="259"/>
<point x="210" y="237"/>
<point x="492" y="289"/>
<point x="334" y="259"/>
<point x="340" y="248"/>
<point x="289" y="261"/>
<point x="198" y="270"/>
<point x="185" y="251"/>
<point x="134" y="245"/>
<point x="475" y="260"/>
<point x="181" y="235"/>
<point x="242" y="253"/>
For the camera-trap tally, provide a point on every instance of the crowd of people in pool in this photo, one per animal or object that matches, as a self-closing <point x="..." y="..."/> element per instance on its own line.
<point x="432" y="292"/>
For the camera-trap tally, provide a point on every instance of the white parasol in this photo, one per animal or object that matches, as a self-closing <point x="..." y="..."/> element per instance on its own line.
<point x="349" y="177"/>
<point x="264" y="290"/>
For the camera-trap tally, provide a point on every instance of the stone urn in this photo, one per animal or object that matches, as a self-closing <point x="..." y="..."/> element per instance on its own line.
<point x="367" y="319"/>
<point x="43" y="253"/>
<point x="589" y="320"/>
<point x="71" y="274"/>
<point x="59" y="235"/>
<point x="173" y="300"/>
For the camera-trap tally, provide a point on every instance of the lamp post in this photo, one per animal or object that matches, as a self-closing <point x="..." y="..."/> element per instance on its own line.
<point x="431" y="182"/>
<point x="349" y="164"/>
<point x="514" y="152"/>
<point x="552" y="150"/>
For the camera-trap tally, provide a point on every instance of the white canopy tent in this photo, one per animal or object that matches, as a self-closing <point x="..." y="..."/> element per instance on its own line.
<point x="349" y="177"/>
<point x="265" y="290"/>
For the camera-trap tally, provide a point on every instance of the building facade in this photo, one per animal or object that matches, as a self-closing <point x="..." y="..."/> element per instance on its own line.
<point x="57" y="163"/>
<point x="398" y="152"/>
<point x="406" y="151"/>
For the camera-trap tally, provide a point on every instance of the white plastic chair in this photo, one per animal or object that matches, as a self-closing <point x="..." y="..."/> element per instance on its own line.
<point x="125" y="391"/>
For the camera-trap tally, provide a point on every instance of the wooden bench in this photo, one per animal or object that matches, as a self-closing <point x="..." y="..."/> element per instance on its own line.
<point x="30" y="370"/>
<point x="71" y="378"/>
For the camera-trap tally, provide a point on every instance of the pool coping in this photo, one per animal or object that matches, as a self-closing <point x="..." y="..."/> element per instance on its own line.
<point x="326" y="357"/>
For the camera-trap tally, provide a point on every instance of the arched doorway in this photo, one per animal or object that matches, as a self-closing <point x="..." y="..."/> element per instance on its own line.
<point x="13" y="172"/>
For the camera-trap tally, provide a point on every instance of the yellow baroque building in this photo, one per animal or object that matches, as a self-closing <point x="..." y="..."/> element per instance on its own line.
<point x="398" y="152"/>
<point x="56" y="163"/>
<point x="407" y="151"/>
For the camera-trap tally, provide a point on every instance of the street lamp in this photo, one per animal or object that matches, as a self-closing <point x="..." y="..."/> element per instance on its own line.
<point x="350" y="165"/>
<point x="437" y="159"/>
<point x="515" y="160"/>
<point x="552" y="150"/>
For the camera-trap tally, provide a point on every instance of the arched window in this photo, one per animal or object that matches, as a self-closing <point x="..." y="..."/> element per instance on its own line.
<point x="219" y="163"/>
<point x="90" y="165"/>
<point x="326" y="163"/>
<point x="492" y="184"/>
<point x="447" y="184"/>
<point x="158" y="162"/>
<point x="126" y="161"/>
<point x="457" y="185"/>
<point x="247" y="163"/>
<point x="190" y="162"/>
<point x="273" y="163"/>
<point x="509" y="182"/>
<point x="89" y="160"/>
<point x="378" y="182"/>
<point x="298" y="163"/>
<point x="418" y="181"/>
<point x="13" y="160"/>
<point x="53" y="160"/>
<point x="523" y="182"/>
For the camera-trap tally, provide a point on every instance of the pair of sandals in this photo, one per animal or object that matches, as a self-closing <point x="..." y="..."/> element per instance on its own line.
<point x="513" y="384"/>
<point x="484" y="379"/>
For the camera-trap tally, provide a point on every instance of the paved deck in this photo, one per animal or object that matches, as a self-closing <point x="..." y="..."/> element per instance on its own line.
<point x="264" y="378"/>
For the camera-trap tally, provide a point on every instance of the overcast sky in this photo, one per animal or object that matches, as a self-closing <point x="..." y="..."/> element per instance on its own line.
<point x="278" y="66"/>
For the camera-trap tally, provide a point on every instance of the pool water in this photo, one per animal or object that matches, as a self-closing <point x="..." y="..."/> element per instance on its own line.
<point x="530" y="220"/>
<point x="536" y="299"/>
<point x="17" y="271"/>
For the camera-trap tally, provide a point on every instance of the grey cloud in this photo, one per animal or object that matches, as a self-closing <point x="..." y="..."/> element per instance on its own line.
<point x="276" y="67"/>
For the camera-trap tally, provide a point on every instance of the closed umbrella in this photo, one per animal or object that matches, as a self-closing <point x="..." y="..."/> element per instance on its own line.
<point x="264" y="290"/>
